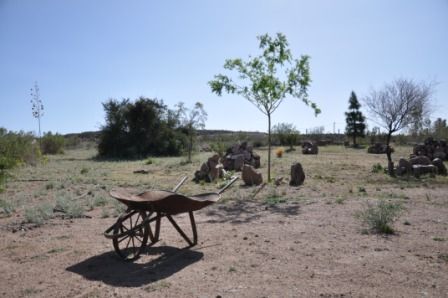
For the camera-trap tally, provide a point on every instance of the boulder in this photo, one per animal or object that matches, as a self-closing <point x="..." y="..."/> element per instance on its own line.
<point x="379" y="148"/>
<point x="404" y="167"/>
<point x="419" y="170"/>
<point x="309" y="147"/>
<point x="239" y="155"/>
<point x="441" y="169"/>
<point x="210" y="170"/>
<point x="250" y="176"/>
<point x="238" y="162"/>
<point x="420" y="160"/>
<point x="297" y="175"/>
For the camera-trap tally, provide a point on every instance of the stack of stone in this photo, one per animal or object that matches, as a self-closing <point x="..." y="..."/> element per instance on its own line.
<point x="379" y="148"/>
<point x="432" y="149"/>
<point x="210" y="170"/>
<point x="309" y="147"/>
<point x="420" y="165"/>
<point x="238" y="155"/>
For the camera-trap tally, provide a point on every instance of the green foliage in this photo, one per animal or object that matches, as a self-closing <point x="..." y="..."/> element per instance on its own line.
<point x="219" y="147"/>
<point x="377" y="168"/>
<point x="190" y="121"/>
<point x="135" y="130"/>
<point x="70" y="207"/>
<point x="6" y="207"/>
<point x="52" y="143"/>
<point x="379" y="217"/>
<point x="16" y="149"/>
<point x="287" y="134"/>
<point x="84" y="171"/>
<point x="267" y="79"/>
<point x="38" y="214"/>
<point x="355" y="119"/>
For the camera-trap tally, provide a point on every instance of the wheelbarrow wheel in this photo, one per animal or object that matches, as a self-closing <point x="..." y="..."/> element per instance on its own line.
<point x="130" y="235"/>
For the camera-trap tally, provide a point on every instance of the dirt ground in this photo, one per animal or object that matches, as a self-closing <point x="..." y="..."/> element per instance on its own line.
<point x="284" y="242"/>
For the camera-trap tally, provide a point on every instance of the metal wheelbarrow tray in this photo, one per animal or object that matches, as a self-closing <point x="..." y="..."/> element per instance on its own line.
<point x="131" y="231"/>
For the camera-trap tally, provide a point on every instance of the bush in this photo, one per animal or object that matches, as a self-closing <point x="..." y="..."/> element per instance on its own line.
<point x="71" y="208"/>
<point x="379" y="217"/>
<point x="279" y="152"/>
<point x="377" y="168"/>
<point x="38" y="214"/>
<point x="17" y="148"/>
<point x="52" y="144"/>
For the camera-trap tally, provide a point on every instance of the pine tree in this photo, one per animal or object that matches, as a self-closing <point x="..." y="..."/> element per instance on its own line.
<point x="355" y="119"/>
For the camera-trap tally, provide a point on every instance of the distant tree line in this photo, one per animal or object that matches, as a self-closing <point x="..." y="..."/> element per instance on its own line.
<point x="147" y="127"/>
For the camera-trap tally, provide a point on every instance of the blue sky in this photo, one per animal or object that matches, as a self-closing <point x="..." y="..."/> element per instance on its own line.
<point x="83" y="52"/>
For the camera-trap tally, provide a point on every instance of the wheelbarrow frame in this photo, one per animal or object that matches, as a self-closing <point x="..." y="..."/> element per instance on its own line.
<point x="139" y="218"/>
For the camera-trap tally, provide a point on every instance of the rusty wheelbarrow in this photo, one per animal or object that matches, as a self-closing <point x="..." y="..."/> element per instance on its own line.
<point x="131" y="231"/>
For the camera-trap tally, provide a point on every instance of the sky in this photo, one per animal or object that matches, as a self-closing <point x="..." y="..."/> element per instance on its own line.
<point x="83" y="52"/>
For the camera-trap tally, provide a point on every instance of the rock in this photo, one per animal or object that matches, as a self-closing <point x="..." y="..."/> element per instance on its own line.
<point x="297" y="175"/>
<point x="441" y="169"/>
<point x="379" y="148"/>
<point x="419" y="170"/>
<point x="309" y="147"/>
<point x="238" y="155"/>
<point x="250" y="176"/>
<point x="420" y="160"/>
<point x="439" y="154"/>
<point x="404" y="167"/>
<point x="210" y="170"/>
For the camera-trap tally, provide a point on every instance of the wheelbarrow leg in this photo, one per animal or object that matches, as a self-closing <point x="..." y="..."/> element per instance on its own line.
<point x="154" y="236"/>
<point x="193" y="227"/>
<point x="179" y="230"/>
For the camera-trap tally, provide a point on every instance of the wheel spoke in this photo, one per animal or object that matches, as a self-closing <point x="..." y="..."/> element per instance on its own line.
<point x="125" y="237"/>
<point x="129" y="241"/>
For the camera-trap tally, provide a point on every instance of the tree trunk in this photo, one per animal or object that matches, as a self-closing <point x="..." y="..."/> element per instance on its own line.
<point x="269" y="147"/>
<point x="190" y="147"/>
<point x="40" y="135"/>
<point x="390" y="164"/>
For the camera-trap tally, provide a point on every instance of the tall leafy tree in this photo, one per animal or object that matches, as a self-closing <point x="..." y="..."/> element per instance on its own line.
<point x="267" y="79"/>
<point x="191" y="120"/>
<point x="37" y="106"/>
<point x="355" y="119"/>
<point x="139" y="129"/>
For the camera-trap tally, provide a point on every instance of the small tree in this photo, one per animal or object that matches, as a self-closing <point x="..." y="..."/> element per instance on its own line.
<point x="355" y="119"/>
<point x="287" y="134"/>
<point x="37" y="106"/>
<point x="265" y="80"/>
<point x="396" y="106"/>
<point x="191" y="120"/>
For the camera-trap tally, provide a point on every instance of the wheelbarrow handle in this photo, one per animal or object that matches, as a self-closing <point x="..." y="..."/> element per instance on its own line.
<point x="228" y="185"/>
<point x="179" y="184"/>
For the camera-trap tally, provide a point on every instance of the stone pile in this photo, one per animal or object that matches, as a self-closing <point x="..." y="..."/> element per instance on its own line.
<point x="432" y="149"/>
<point x="420" y="165"/>
<point x="379" y="148"/>
<point x="210" y="170"/>
<point x="238" y="155"/>
<point x="309" y="147"/>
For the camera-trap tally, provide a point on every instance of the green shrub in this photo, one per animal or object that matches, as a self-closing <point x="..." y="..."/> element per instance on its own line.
<point x="6" y="207"/>
<point x="52" y="143"/>
<point x="70" y="207"/>
<point x="39" y="214"/>
<point x="84" y="171"/>
<point x="379" y="217"/>
<point x="377" y="168"/>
